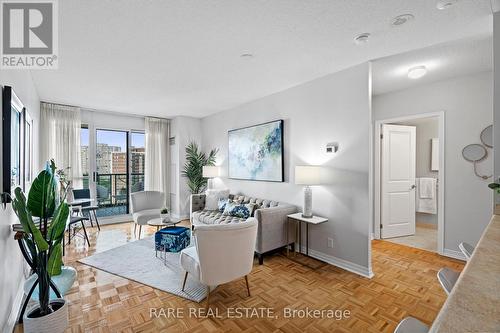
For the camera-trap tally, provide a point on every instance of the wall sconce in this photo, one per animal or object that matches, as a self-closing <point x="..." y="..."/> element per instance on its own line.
<point x="332" y="147"/>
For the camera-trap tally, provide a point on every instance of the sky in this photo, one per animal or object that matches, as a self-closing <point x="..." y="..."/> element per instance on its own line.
<point x="113" y="138"/>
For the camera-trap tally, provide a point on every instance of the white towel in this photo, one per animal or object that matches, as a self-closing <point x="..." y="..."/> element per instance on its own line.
<point x="426" y="200"/>
<point x="426" y="188"/>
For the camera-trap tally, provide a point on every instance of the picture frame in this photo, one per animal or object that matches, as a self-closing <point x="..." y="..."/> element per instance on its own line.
<point x="257" y="152"/>
<point x="13" y="141"/>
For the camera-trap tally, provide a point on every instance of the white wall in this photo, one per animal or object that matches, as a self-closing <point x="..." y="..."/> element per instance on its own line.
<point x="333" y="108"/>
<point x="12" y="266"/>
<point x="185" y="130"/>
<point x="468" y="104"/>
<point x="496" y="126"/>
<point x="426" y="129"/>
<point x="111" y="120"/>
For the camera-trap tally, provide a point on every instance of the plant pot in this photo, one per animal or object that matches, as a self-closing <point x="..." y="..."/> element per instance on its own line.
<point x="165" y="218"/>
<point x="56" y="322"/>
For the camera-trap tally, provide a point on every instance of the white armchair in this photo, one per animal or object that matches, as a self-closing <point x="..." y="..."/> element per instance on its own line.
<point x="146" y="205"/>
<point x="223" y="253"/>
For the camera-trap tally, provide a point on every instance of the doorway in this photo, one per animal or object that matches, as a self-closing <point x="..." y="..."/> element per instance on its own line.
<point x="409" y="181"/>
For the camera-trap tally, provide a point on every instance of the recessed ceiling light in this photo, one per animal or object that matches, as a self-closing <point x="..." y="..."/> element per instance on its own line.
<point x="246" y="55"/>
<point x="445" y="4"/>
<point x="362" y="38"/>
<point x="401" y="19"/>
<point x="417" y="72"/>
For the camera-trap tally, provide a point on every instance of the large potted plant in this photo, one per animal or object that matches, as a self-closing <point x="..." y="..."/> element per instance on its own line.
<point x="44" y="242"/>
<point x="193" y="168"/>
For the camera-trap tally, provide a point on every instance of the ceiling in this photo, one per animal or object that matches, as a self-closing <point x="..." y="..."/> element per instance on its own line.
<point x="182" y="57"/>
<point x="442" y="62"/>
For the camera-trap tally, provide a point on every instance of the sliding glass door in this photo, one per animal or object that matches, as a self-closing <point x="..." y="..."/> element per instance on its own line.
<point x="111" y="176"/>
<point x="113" y="167"/>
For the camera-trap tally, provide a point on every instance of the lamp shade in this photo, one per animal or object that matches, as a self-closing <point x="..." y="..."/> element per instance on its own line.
<point x="307" y="175"/>
<point x="210" y="171"/>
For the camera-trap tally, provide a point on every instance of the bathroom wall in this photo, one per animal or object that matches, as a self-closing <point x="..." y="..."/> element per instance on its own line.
<point x="467" y="102"/>
<point x="426" y="129"/>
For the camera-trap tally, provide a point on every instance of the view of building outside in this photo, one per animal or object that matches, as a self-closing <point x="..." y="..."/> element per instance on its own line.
<point x="111" y="164"/>
<point x="137" y="153"/>
<point x="84" y="154"/>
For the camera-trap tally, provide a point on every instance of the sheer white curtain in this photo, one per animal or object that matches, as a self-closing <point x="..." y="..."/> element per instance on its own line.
<point x="60" y="139"/>
<point x="157" y="164"/>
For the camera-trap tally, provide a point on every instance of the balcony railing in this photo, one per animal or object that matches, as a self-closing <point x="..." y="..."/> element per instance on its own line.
<point x="111" y="191"/>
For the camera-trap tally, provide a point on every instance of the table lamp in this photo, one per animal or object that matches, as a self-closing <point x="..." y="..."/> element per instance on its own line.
<point x="307" y="175"/>
<point x="210" y="172"/>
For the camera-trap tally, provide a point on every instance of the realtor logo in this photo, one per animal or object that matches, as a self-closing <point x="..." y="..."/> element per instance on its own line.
<point x="29" y="34"/>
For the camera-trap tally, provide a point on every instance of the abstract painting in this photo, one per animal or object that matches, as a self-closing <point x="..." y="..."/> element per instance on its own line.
<point x="256" y="152"/>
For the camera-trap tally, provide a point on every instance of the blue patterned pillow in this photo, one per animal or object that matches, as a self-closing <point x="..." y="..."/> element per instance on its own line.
<point x="240" y="211"/>
<point x="229" y="207"/>
<point x="222" y="204"/>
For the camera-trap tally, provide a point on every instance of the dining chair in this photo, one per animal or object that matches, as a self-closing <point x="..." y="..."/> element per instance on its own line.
<point x="87" y="209"/>
<point x="466" y="249"/>
<point x="73" y="227"/>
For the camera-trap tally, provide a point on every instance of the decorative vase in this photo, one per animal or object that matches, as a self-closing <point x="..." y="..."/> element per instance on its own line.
<point x="165" y="218"/>
<point x="56" y="322"/>
<point x="307" y="209"/>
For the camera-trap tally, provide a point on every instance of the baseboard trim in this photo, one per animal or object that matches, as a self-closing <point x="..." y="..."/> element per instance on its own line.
<point x="454" y="254"/>
<point x="16" y="308"/>
<point x="341" y="263"/>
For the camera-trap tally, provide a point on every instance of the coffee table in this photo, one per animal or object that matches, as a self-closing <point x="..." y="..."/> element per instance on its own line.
<point x="158" y="223"/>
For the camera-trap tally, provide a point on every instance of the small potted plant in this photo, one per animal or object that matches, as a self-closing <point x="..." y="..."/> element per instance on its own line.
<point x="496" y="187"/>
<point x="44" y="242"/>
<point x="164" y="214"/>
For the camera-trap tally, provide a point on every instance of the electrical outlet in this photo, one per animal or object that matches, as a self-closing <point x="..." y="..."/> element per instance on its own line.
<point x="330" y="242"/>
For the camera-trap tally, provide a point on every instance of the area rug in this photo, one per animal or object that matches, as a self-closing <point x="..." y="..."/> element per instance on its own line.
<point x="136" y="261"/>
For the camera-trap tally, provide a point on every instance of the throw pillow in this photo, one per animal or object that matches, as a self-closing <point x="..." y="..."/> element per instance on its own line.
<point x="222" y="204"/>
<point x="251" y="208"/>
<point x="229" y="207"/>
<point x="240" y="211"/>
<point x="212" y="198"/>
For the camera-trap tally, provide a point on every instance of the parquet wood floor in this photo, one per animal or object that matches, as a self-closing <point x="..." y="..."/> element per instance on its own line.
<point x="404" y="284"/>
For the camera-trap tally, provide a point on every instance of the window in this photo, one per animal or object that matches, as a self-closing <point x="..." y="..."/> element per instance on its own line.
<point x="84" y="151"/>
<point x="137" y="161"/>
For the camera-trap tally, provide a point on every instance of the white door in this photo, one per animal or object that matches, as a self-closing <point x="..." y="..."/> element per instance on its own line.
<point x="398" y="181"/>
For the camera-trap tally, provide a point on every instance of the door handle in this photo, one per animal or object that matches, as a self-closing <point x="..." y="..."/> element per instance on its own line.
<point x="413" y="187"/>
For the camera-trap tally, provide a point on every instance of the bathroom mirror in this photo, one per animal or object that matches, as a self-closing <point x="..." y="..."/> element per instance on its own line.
<point x="487" y="136"/>
<point x="474" y="153"/>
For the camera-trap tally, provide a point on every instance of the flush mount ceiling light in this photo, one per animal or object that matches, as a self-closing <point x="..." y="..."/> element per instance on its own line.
<point x="401" y="19"/>
<point x="246" y="55"/>
<point x="445" y="4"/>
<point x="362" y="38"/>
<point x="417" y="72"/>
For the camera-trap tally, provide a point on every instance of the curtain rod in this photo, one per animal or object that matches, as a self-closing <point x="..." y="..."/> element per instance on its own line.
<point x="103" y="111"/>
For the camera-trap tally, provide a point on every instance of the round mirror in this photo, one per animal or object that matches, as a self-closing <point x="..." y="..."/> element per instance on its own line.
<point x="487" y="136"/>
<point x="474" y="152"/>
